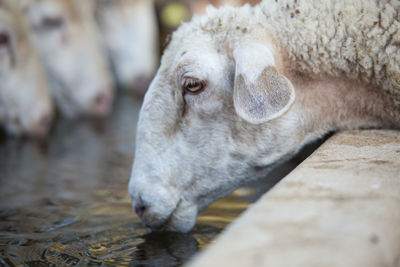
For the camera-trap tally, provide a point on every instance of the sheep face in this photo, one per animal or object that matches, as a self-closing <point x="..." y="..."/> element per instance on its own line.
<point x="25" y="103"/>
<point x="65" y="35"/>
<point x="129" y="33"/>
<point x="214" y="117"/>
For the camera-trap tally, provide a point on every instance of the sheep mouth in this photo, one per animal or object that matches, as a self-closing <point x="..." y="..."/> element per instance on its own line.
<point x="181" y="219"/>
<point x="163" y="225"/>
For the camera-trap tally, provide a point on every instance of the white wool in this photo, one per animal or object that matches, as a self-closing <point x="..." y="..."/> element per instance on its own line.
<point x="251" y="70"/>
<point x="358" y="39"/>
<point x="26" y="106"/>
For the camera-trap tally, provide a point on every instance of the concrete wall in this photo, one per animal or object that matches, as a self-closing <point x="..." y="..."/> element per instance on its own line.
<point x="341" y="207"/>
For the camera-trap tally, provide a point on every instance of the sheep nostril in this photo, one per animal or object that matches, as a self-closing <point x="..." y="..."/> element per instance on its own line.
<point x="140" y="209"/>
<point x="41" y="126"/>
<point x="102" y="103"/>
<point x="45" y="122"/>
<point x="102" y="100"/>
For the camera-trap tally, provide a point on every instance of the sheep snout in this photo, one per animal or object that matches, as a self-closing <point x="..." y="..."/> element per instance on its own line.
<point x="161" y="207"/>
<point x="42" y="126"/>
<point x="102" y="103"/>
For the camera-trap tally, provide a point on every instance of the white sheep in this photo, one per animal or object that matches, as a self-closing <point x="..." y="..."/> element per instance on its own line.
<point x="130" y="35"/>
<point x="239" y="89"/>
<point x="26" y="106"/>
<point x="65" y="34"/>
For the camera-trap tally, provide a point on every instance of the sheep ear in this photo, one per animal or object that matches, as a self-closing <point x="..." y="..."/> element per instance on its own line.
<point x="260" y="93"/>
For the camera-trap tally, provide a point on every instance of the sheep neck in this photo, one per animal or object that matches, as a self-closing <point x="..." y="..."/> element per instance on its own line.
<point x="324" y="105"/>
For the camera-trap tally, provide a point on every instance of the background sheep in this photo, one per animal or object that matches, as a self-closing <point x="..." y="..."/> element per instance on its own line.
<point x="130" y="34"/>
<point x="239" y="89"/>
<point x="25" y="102"/>
<point x="65" y="35"/>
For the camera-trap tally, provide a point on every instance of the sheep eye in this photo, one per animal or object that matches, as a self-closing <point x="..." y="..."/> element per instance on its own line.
<point x="4" y="39"/>
<point x="194" y="86"/>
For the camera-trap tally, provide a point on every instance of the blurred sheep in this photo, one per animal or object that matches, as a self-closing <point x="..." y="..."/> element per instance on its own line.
<point x="65" y="34"/>
<point x="25" y="103"/>
<point x="130" y="35"/>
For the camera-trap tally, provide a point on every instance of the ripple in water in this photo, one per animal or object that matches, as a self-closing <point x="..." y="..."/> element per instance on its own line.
<point x="65" y="201"/>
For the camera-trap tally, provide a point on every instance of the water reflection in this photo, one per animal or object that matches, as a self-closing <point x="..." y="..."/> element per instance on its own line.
<point x="65" y="201"/>
<point x="164" y="249"/>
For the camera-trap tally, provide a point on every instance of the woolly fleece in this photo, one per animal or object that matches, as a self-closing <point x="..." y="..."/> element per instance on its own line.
<point x="357" y="39"/>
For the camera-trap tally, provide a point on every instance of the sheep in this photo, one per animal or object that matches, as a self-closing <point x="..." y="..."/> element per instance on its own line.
<point x="26" y="107"/>
<point x="66" y="37"/>
<point x="240" y="89"/>
<point x="130" y="35"/>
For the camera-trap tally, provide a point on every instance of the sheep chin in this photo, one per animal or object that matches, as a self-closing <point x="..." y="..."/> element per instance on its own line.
<point x="183" y="218"/>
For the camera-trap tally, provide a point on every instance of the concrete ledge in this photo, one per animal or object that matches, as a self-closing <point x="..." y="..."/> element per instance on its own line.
<point x="341" y="207"/>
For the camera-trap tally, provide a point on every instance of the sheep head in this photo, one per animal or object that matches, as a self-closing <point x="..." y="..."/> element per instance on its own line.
<point x="26" y="107"/>
<point x="65" y="36"/>
<point x="214" y="117"/>
<point x="129" y="33"/>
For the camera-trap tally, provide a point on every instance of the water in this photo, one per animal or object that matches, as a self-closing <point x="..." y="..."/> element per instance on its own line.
<point x="65" y="201"/>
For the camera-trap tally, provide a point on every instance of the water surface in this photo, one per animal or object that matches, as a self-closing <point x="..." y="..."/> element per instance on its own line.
<point x="64" y="201"/>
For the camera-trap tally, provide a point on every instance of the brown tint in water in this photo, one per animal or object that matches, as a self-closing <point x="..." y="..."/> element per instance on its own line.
<point x="65" y="202"/>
